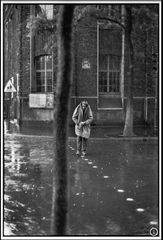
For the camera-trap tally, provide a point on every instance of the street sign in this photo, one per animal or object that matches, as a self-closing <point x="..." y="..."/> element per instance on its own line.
<point x="9" y="87"/>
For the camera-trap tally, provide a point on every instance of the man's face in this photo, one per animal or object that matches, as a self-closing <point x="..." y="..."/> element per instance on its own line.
<point x="84" y="105"/>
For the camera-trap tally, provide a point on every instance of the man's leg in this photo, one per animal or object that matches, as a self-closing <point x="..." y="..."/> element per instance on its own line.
<point x="79" y="144"/>
<point x="84" y="145"/>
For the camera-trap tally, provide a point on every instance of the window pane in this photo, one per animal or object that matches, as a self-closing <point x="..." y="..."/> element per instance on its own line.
<point x="109" y="76"/>
<point x="44" y="73"/>
<point x="40" y="63"/>
<point x="114" y="81"/>
<point x="103" y="62"/>
<point x="49" y="62"/>
<point x="37" y="63"/>
<point x="118" y="80"/>
<point x="49" y="89"/>
<point x="40" y="78"/>
<point x="114" y="62"/>
<point x="40" y="88"/>
<point x="49" y="78"/>
<point x="103" y="81"/>
<point x="114" y="73"/>
<point x="40" y="81"/>
<point x="110" y="40"/>
<point x="110" y="50"/>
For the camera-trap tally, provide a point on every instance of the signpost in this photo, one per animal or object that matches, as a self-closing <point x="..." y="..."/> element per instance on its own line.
<point x="155" y="69"/>
<point x="18" y="100"/>
<point x="9" y="88"/>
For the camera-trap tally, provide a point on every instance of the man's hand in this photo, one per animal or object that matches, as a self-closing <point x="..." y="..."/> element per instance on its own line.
<point x="81" y="124"/>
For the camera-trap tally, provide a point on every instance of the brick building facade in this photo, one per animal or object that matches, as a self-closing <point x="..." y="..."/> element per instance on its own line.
<point x="100" y="73"/>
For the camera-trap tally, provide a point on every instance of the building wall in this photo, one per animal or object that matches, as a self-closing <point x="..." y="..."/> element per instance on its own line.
<point x="85" y="79"/>
<point x="25" y="51"/>
<point x="86" y="48"/>
<point x="17" y="60"/>
<point x="11" y="62"/>
<point x="145" y="74"/>
<point x="12" y="46"/>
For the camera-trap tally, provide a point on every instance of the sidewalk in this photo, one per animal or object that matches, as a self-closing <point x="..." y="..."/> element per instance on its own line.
<point x="98" y="132"/>
<point x="113" y="191"/>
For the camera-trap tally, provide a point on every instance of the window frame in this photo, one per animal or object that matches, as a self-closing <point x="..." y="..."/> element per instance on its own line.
<point x="108" y="70"/>
<point x="45" y="70"/>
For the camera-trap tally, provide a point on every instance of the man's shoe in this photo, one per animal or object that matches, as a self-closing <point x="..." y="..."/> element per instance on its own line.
<point x="78" y="153"/>
<point x="83" y="154"/>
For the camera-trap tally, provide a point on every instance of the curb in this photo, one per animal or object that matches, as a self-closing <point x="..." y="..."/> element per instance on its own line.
<point x="121" y="138"/>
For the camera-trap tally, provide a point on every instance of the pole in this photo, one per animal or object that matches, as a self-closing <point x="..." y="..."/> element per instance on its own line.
<point x="155" y="106"/>
<point x="12" y="94"/>
<point x="9" y="107"/>
<point x="18" y="100"/>
<point x="146" y="80"/>
<point x="155" y="68"/>
<point x="32" y="10"/>
<point x="98" y="39"/>
<point x="123" y="56"/>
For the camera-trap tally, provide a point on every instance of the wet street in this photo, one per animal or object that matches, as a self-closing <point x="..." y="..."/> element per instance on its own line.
<point x="113" y="191"/>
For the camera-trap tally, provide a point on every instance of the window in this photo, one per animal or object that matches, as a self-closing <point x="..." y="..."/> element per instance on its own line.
<point x="109" y="74"/>
<point x="110" y="65"/>
<point x="48" y="10"/>
<point x="44" y="76"/>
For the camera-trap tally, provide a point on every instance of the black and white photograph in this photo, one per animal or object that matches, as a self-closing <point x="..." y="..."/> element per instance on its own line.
<point x="81" y="120"/>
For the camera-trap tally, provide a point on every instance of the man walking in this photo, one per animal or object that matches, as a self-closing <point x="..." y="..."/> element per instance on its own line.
<point x="82" y="117"/>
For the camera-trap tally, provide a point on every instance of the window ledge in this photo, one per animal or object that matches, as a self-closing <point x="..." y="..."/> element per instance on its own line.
<point x="110" y="109"/>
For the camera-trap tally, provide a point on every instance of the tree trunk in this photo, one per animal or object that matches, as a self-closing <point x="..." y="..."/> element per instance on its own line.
<point x="128" y="128"/>
<point x="64" y="76"/>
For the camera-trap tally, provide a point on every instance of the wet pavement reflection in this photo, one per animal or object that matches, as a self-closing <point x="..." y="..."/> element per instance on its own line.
<point x="112" y="191"/>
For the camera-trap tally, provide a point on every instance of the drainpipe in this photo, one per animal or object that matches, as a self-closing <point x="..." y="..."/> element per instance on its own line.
<point x="98" y="33"/>
<point x="123" y="56"/>
<point x="75" y="73"/>
<point x="20" y="64"/>
<point x="146" y="81"/>
<point x="18" y="98"/>
<point x="32" y="11"/>
<point x="156" y="97"/>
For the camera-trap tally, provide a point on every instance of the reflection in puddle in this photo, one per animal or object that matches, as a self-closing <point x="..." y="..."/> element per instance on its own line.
<point x="153" y="222"/>
<point x="120" y="190"/>
<point x="26" y="187"/>
<point x="8" y="229"/>
<point x="140" y="210"/>
<point x="129" y="199"/>
<point x="96" y="206"/>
